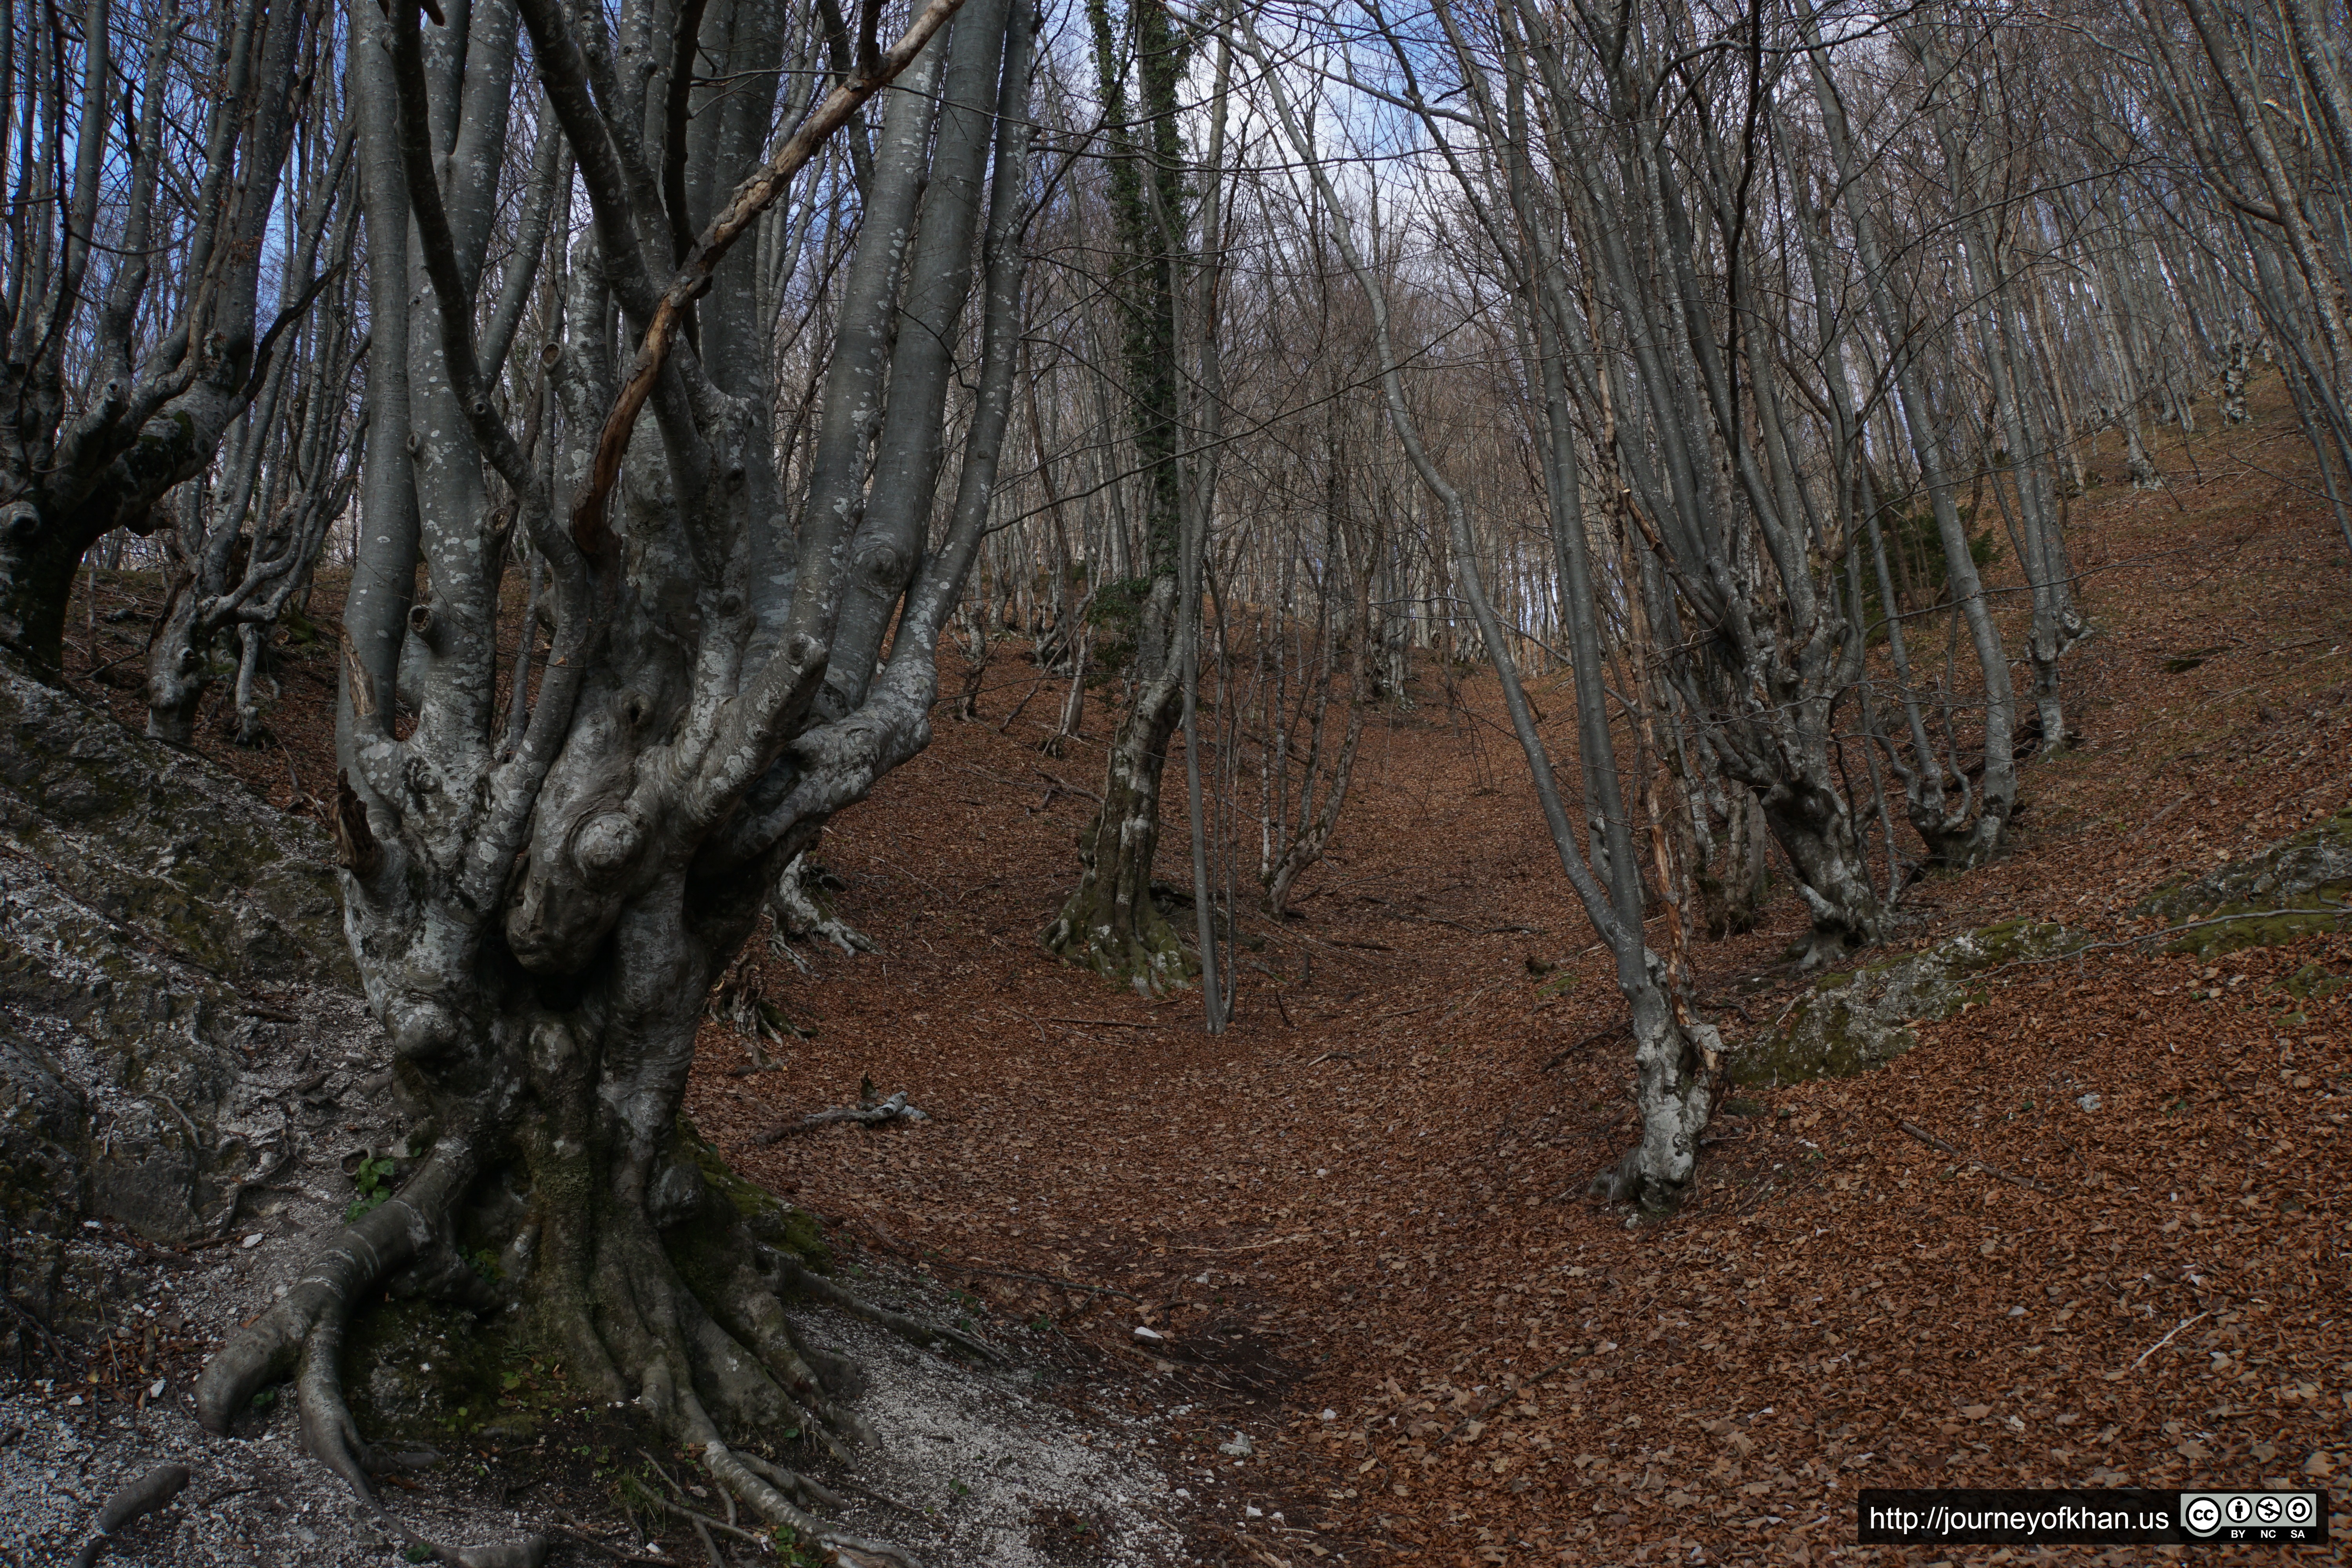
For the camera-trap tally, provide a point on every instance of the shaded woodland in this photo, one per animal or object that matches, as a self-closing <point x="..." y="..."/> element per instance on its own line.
<point x="658" y="422"/>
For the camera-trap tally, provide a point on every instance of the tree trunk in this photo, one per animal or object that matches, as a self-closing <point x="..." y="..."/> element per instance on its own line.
<point x="539" y="922"/>
<point x="1110" y="923"/>
<point x="1675" y="1055"/>
<point x="1815" y="827"/>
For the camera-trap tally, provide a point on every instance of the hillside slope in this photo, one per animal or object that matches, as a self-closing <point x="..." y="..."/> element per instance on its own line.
<point x="2087" y="1229"/>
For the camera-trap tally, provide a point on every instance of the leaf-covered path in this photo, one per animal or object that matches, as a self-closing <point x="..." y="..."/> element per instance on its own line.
<point x="1356" y="1222"/>
<point x="1357" y="1226"/>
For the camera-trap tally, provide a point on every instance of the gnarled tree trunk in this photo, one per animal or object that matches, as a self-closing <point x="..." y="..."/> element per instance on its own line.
<point x="162" y="381"/>
<point x="540" y="923"/>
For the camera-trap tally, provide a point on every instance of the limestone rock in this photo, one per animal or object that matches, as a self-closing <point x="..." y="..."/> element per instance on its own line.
<point x="171" y="947"/>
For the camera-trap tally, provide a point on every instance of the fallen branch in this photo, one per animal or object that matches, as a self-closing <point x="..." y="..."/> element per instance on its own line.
<point x="892" y="1110"/>
<point x="1035" y="1278"/>
<point x="584" y="1539"/>
<point x="2163" y="934"/>
<point x="1585" y="1044"/>
<point x="1065" y="787"/>
<point x="1250" y="1246"/>
<point x="703" y="1522"/>
<point x="1924" y="1136"/>
<point x="2167" y="1340"/>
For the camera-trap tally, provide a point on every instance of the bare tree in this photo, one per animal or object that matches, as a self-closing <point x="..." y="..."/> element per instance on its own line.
<point x="1111" y="922"/>
<point x="539" y="929"/>
<point x="1676" y="1054"/>
<point x="248" y="537"/>
<point x="130" y="357"/>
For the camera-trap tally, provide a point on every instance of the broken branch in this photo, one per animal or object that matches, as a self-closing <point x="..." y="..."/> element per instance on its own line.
<point x="894" y="1109"/>
<point x="1924" y="1136"/>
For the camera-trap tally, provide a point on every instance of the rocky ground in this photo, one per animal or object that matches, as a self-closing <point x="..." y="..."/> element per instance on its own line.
<point x="1328" y="1287"/>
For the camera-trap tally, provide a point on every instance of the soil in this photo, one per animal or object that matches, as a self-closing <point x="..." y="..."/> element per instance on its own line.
<point x="1336" y="1264"/>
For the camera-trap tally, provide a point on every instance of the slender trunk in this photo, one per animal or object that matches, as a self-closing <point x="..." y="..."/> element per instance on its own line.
<point x="1110" y="922"/>
<point x="1675" y="1056"/>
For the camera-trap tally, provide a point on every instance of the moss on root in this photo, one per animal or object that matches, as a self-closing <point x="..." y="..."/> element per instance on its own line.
<point x="424" y="1372"/>
<point x="1152" y="957"/>
<point x="779" y="1224"/>
<point x="427" y="1372"/>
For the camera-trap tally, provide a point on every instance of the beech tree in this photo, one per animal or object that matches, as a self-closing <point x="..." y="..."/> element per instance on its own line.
<point x="243" y="541"/>
<point x="1110" y="922"/>
<point x="732" y="657"/>
<point x="132" y="301"/>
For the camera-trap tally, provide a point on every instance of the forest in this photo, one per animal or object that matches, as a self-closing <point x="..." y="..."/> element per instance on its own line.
<point x="1005" y="782"/>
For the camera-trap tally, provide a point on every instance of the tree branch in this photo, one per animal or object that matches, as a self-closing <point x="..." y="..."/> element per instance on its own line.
<point x="753" y="197"/>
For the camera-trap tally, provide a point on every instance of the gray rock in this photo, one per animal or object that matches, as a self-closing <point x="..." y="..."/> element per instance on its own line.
<point x="1863" y="1019"/>
<point x="171" y="947"/>
<point x="2296" y="886"/>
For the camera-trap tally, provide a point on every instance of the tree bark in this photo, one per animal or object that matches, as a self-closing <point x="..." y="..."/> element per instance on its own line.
<point x="1110" y="923"/>
<point x="539" y="917"/>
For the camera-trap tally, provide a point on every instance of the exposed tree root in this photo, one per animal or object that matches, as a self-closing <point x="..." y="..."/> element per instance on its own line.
<point x="685" y="1319"/>
<point x="926" y="1336"/>
<point x="801" y="910"/>
<point x="130" y="1503"/>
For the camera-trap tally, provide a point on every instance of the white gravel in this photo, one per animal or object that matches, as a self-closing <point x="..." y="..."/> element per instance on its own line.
<point x="985" y="1462"/>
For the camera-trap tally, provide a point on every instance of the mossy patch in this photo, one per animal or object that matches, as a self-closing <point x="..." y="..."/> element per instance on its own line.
<point x="425" y="1372"/>
<point x="783" y="1225"/>
<point x="2305" y="870"/>
<point x="2298" y="887"/>
<point x="2313" y="983"/>
<point x="1852" y="1022"/>
<point x="1863" y="1019"/>
<point x="2264" y="928"/>
<point x="166" y="844"/>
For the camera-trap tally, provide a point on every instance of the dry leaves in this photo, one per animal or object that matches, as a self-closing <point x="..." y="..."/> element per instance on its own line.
<point x="1364" y="1202"/>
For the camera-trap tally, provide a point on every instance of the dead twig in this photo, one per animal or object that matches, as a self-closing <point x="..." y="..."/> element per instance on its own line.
<point x="1034" y="1279"/>
<point x="894" y="1109"/>
<point x="703" y="1524"/>
<point x="1583" y="1045"/>
<point x="1065" y="785"/>
<point x="2161" y="933"/>
<point x="1250" y="1246"/>
<point x="584" y="1539"/>
<point x="1924" y="1136"/>
<point x="2159" y="1344"/>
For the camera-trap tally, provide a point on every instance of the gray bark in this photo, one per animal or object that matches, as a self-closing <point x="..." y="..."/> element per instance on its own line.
<point x="166" y="384"/>
<point x="1674" y="1055"/>
<point x="539" y="918"/>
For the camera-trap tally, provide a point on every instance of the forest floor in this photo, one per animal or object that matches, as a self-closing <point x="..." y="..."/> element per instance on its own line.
<point x="1355" y="1222"/>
